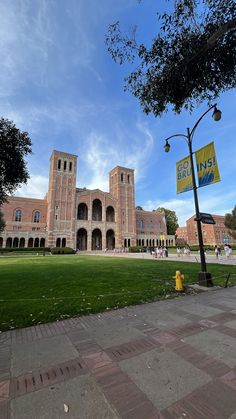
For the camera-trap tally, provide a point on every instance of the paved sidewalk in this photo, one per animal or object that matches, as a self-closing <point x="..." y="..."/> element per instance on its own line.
<point x="168" y="359"/>
<point x="223" y="260"/>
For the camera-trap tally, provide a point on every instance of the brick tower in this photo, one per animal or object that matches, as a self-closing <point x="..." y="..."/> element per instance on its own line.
<point x="61" y="200"/>
<point x="121" y="184"/>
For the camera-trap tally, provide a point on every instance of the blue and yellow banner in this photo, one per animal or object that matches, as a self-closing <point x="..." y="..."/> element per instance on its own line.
<point x="184" y="175"/>
<point x="207" y="168"/>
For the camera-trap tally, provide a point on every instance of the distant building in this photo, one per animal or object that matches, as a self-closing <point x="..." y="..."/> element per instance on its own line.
<point x="212" y="233"/>
<point x="81" y="218"/>
<point x="182" y="236"/>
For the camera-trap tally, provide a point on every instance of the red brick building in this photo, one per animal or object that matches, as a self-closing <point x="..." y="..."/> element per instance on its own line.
<point x="212" y="233"/>
<point x="82" y="218"/>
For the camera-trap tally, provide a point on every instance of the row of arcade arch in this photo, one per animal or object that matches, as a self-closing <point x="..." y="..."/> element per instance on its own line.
<point x="155" y="242"/>
<point x="82" y="212"/>
<point x="96" y="239"/>
<point x="22" y="242"/>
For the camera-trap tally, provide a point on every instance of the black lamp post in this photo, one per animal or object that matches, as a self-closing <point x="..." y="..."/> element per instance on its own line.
<point x="204" y="277"/>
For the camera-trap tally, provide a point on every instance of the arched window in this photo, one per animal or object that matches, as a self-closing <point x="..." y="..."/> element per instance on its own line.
<point x="128" y="178"/>
<point x="97" y="210"/>
<point x="63" y="242"/>
<point x="110" y="214"/>
<point x="122" y="177"/>
<point x="36" y="216"/>
<point x="70" y="166"/>
<point x="1" y="241"/>
<point x="18" y="215"/>
<point x="58" y="242"/>
<point x="59" y="164"/>
<point x="65" y="165"/>
<point x="82" y="213"/>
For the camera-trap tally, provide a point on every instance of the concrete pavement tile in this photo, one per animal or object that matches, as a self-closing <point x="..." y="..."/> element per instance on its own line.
<point x="163" y="377"/>
<point x="42" y="353"/>
<point x="231" y="324"/>
<point x="216" y="345"/>
<point x="212" y="401"/>
<point x="200" y="309"/>
<point x="109" y="335"/>
<point x="162" y="319"/>
<point x="82" y="395"/>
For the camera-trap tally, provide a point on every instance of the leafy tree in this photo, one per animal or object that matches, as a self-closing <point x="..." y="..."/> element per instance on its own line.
<point x="139" y="208"/>
<point x="2" y="222"/>
<point x="14" y="146"/>
<point x="171" y="220"/>
<point x="192" y="58"/>
<point x="230" y="222"/>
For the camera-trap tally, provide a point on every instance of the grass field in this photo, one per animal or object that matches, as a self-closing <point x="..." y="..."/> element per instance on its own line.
<point x="36" y="290"/>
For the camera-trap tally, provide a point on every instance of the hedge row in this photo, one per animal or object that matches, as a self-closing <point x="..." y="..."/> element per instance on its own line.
<point x="24" y="249"/>
<point x="53" y="250"/>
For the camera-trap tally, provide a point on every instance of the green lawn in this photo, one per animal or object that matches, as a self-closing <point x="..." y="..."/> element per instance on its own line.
<point x="40" y="289"/>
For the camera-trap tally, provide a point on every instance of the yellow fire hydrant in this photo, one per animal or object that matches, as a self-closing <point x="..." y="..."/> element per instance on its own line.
<point x="179" y="278"/>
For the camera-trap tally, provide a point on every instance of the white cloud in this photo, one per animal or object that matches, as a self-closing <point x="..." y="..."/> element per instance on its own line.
<point x="36" y="187"/>
<point x="129" y="149"/>
<point x="184" y="208"/>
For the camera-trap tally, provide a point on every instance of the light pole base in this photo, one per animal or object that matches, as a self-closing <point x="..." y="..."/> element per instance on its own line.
<point x="204" y="279"/>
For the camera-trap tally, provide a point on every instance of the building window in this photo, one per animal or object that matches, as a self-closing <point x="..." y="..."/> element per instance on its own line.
<point x="59" y="164"/>
<point x="36" y="217"/>
<point x="64" y="165"/>
<point x="122" y="177"/>
<point x="128" y="178"/>
<point x="18" y="215"/>
<point x="70" y="167"/>
<point x="56" y="216"/>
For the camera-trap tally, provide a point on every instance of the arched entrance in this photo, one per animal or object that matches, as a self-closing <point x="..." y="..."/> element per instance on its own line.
<point x="42" y="242"/>
<point x="110" y="240"/>
<point x="1" y="241"/>
<point x="22" y="242"/>
<point x="9" y="242"/>
<point x="16" y="242"/>
<point x="97" y="210"/>
<point x="30" y="242"/>
<point x="36" y="242"/>
<point x="96" y="239"/>
<point x="63" y="242"/>
<point x="110" y="214"/>
<point x="81" y="239"/>
<point x="58" y="242"/>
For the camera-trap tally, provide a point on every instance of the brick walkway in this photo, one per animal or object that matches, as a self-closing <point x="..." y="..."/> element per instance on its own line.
<point x="169" y="359"/>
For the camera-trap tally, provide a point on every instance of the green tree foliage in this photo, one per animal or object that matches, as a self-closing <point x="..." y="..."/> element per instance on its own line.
<point x="139" y="208"/>
<point x="14" y="146"/>
<point x="171" y="220"/>
<point x="230" y="223"/>
<point x="192" y="58"/>
<point x="2" y="222"/>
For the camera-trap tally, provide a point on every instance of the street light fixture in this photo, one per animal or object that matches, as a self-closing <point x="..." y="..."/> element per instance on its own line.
<point x="204" y="277"/>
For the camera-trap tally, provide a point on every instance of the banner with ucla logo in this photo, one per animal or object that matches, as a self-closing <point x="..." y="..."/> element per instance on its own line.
<point x="184" y="175"/>
<point x="207" y="168"/>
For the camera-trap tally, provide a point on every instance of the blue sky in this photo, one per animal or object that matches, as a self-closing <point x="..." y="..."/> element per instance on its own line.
<point x="58" y="82"/>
